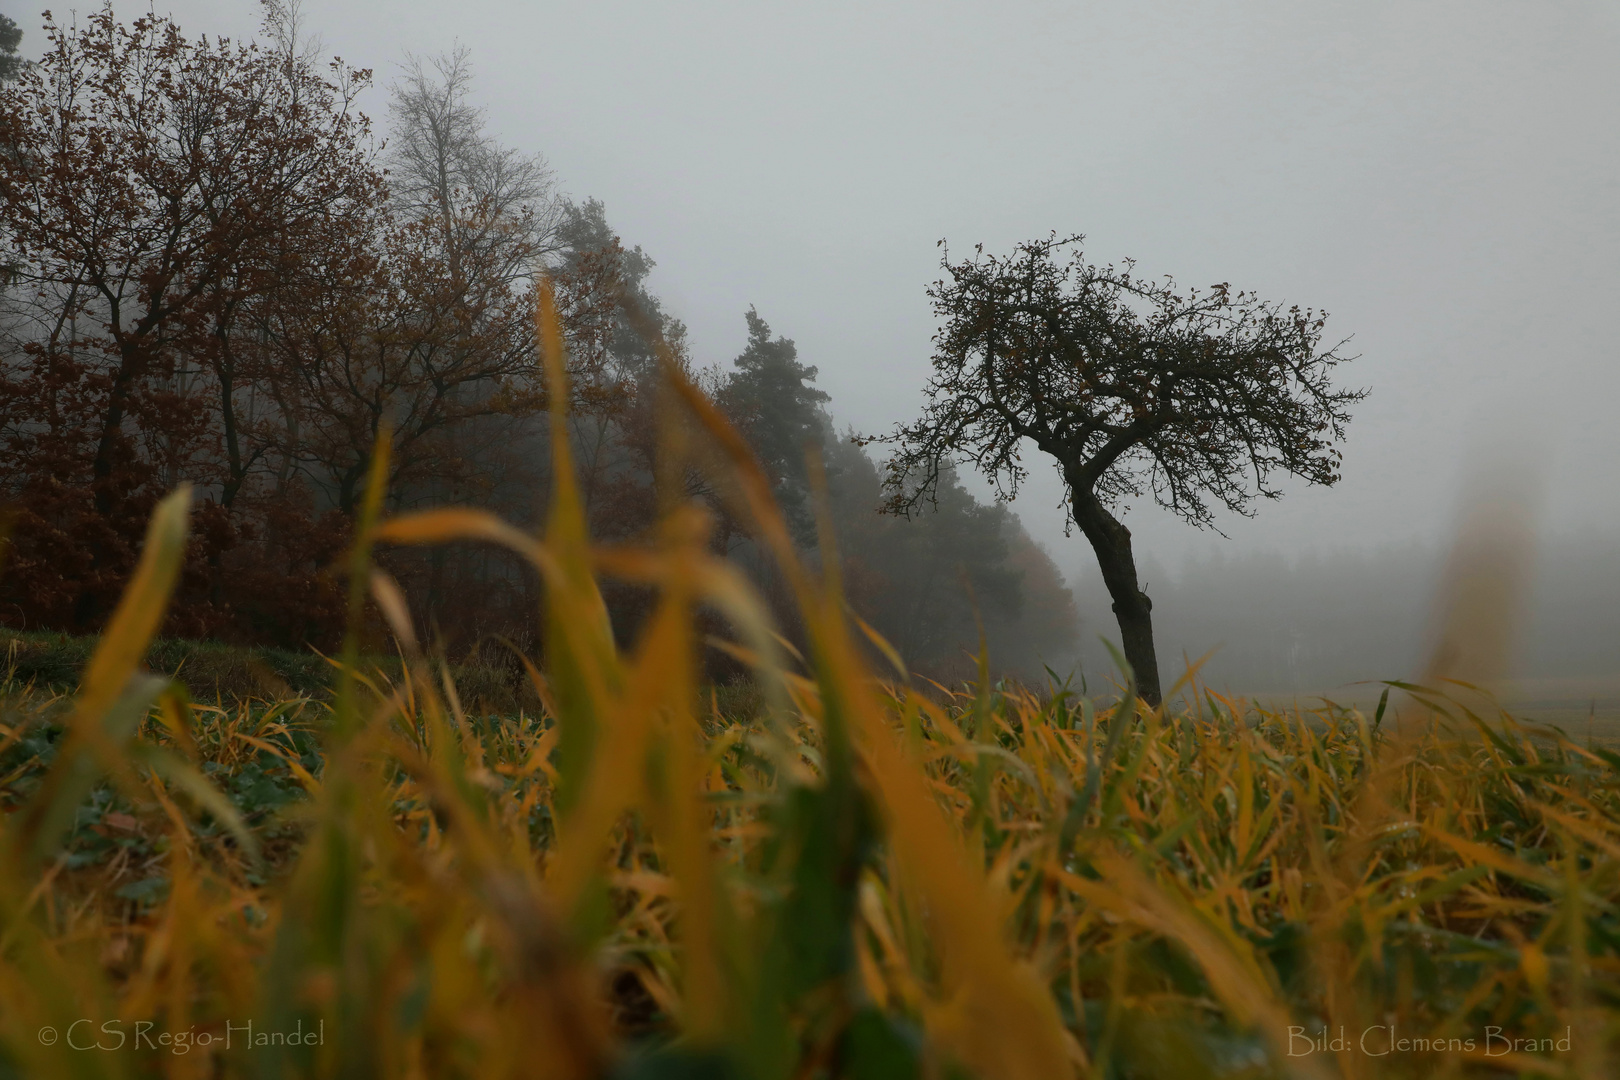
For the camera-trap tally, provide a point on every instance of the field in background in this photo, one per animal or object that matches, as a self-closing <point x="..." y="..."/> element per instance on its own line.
<point x="1580" y="707"/>
<point x="213" y="672"/>
<point x="832" y="874"/>
<point x="1317" y="623"/>
<point x="496" y="682"/>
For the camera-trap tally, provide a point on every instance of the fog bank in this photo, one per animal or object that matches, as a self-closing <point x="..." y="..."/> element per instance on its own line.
<point x="1324" y="621"/>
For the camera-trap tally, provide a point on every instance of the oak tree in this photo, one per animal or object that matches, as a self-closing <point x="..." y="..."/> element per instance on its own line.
<point x="157" y="191"/>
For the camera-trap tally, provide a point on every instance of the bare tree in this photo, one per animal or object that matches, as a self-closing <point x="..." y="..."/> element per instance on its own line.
<point x="1130" y="385"/>
<point x="445" y="167"/>
<point x="400" y="340"/>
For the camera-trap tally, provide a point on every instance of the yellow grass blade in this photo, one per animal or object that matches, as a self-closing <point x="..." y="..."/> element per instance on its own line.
<point x="141" y="609"/>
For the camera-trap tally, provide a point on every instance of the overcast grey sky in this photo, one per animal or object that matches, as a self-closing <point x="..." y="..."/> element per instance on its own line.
<point x="1443" y="177"/>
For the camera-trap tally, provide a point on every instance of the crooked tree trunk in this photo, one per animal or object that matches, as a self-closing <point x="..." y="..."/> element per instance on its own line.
<point x="1111" y="540"/>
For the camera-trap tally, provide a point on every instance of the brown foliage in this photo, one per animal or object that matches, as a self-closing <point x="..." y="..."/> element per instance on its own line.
<point x="216" y="287"/>
<point x="220" y="286"/>
<point x="160" y="194"/>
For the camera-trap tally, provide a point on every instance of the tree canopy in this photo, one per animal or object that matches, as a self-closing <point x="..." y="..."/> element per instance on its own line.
<point x="11" y="65"/>
<point x="1132" y="385"/>
<point x="216" y="276"/>
<point x="772" y="400"/>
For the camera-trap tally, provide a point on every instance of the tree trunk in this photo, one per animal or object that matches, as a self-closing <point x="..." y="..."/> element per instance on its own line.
<point x="131" y="366"/>
<point x="1111" y="540"/>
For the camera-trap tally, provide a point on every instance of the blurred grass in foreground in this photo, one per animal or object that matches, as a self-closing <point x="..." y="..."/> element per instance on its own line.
<point x="842" y="877"/>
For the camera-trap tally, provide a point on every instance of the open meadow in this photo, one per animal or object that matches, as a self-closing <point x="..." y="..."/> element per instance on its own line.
<point x="825" y="870"/>
<point x="1583" y="709"/>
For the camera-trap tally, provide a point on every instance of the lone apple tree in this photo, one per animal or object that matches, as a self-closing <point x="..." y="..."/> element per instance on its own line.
<point x="1131" y="385"/>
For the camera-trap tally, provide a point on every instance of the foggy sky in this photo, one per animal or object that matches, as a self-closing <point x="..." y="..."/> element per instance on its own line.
<point x="1444" y="178"/>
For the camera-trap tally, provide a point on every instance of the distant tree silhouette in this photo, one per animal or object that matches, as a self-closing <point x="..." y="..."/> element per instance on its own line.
<point x="1130" y="385"/>
<point x="931" y="585"/>
<point x="770" y="398"/>
<point x="11" y="65"/>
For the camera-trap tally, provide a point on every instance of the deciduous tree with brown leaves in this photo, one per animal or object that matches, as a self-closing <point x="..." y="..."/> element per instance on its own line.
<point x="157" y="190"/>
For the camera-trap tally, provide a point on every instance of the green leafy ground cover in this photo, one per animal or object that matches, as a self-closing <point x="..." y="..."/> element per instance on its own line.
<point x="213" y="670"/>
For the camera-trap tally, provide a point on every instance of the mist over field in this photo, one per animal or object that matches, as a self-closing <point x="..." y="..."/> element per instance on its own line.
<point x="1439" y="178"/>
<point x="1318" y="623"/>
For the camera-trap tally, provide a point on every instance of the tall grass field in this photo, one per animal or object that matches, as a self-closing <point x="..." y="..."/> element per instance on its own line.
<point x="829" y="871"/>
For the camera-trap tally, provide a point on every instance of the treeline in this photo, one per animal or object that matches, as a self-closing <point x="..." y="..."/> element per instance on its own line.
<point x="215" y="274"/>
